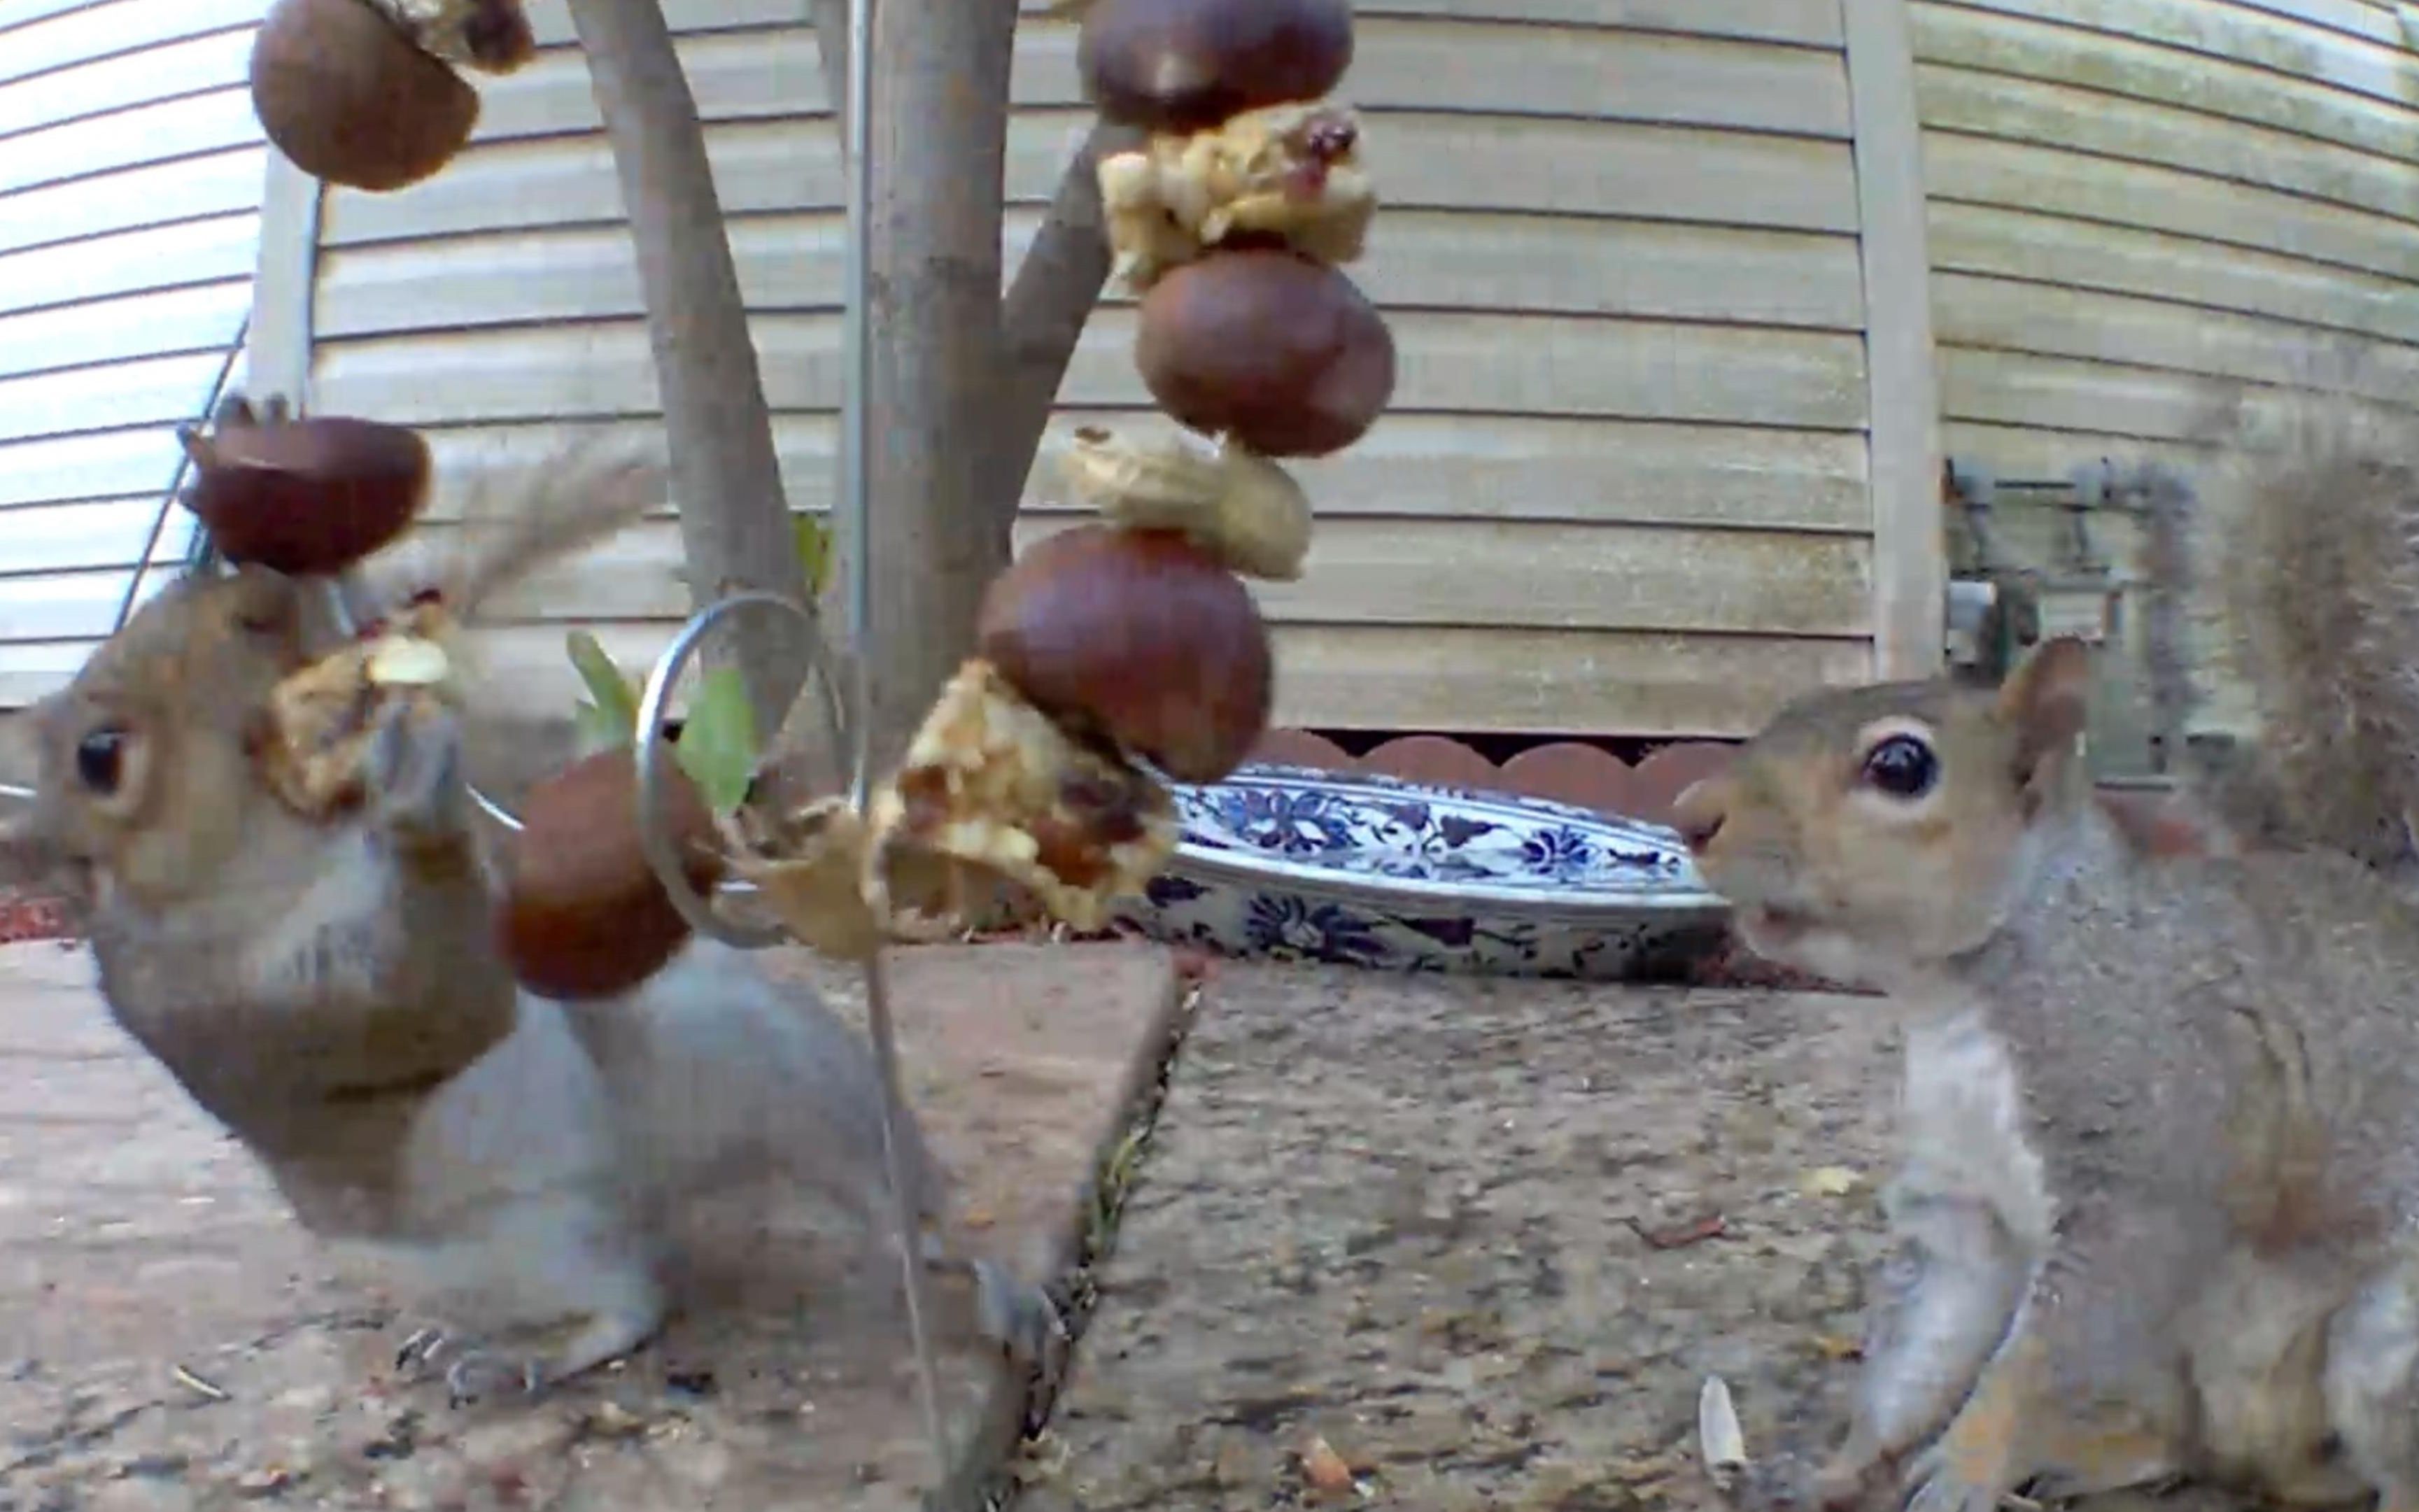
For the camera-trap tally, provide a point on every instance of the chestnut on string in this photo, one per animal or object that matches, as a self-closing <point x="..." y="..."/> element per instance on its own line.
<point x="1280" y="353"/>
<point x="582" y="914"/>
<point x="1183" y="64"/>
<point x="1140" y="637"/>
<point x="308" y="496"/>
<point x="347" y="96"/>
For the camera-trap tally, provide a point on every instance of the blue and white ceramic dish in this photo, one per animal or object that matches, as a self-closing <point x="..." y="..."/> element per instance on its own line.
<point x="1299" y="864"/>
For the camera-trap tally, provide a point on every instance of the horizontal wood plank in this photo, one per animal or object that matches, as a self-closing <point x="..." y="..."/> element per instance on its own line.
<point x="192" y="251"/>
<point x="1412" y="466"/>
<point x="65" y="606"/>
<point x="2084" y="255"/>
<point x="2060" y="394"/>
<point x="129" y="139"/>
<point x="189" y="67"/>
<point x="1372" y="677"/>
<point x="1799" y="22"/>
<point x="38" y="37"/>
<point x="1807" y="23"/>
<point x="2370" y="20"/>
<point x="1362" y="571"/>
<point x="1425" y="62"/>
<point x="99" y="465"/>
<point x="2049" y="114"/>
<point x="158" y="390"/>
<point x="1466" y="162"/>
<point x="206" y="317"/>
<point x="107" y="536"/>
<point x="1365" y="571"/>
<point x="29" y="672"/>
<point x="2050" y="42"/>
<point x="2023" y="452"/>
<point x="2007" y="315"/>
<point x="2344" y="49"/>
<point x="159" y="195"/>
<point x="1534" y="264"/>
<point x="1330" y="676"/>
<point x="1978" y="170"/>
<point x="1446" y="362"/>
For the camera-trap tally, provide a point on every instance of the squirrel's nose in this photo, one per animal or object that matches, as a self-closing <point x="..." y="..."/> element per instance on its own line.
<point x="1697" y="813"/>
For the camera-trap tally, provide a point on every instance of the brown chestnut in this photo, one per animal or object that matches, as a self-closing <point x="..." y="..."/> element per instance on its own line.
<point x="1138" y="637"/>
<point x="1185" y="65"/>
<point x="1281" y="353"/>
<point x="347" y="97"/>
<point x="305" y="496"/>
<point x="582" y="914"/>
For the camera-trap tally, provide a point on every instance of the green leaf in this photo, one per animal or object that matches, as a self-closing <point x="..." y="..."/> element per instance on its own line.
<point x="814" y="552"/>
<point x="597" y="730"/>
<point x="717" y="740"/>
<point x="616" y="700"/>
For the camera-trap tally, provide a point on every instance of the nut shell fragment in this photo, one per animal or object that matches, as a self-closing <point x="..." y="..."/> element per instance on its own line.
<point x="1242" y="509"/>
<point x="816" y="885"/>
<point x="991" y="785"/>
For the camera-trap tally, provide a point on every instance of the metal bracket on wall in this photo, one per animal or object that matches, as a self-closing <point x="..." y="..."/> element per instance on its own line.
<point x="2062" y="579"/>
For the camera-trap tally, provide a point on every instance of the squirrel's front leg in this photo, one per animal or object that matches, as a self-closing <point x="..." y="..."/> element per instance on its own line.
<point x="1950" y="1294"/>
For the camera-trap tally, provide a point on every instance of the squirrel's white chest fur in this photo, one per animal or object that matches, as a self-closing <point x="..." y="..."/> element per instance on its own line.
<point x="1962" y="1123"/>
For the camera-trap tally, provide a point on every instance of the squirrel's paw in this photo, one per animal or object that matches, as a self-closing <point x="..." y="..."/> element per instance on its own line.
<point x="1020" y="1318"/>
<point x="1937" y="1482"/>
<point x="412" y="771"/>
<point x="471" y="1374"/>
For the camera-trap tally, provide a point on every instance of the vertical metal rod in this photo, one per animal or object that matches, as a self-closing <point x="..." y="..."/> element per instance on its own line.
<point x="855" y="497"/>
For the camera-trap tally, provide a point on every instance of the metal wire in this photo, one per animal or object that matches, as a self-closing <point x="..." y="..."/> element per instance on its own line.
<point x="176" y="480"/>
<point x="857" y="495"/>
<point x="661" y="848"/>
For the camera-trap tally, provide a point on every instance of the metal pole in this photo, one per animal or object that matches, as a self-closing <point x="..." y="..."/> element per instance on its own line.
<point x="855" y="497"/>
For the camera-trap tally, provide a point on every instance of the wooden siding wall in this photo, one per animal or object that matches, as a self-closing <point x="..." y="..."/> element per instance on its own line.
<point x="129" y="184"/>
<point x="1624" y="482"/>
<point x="2135" y="202"/>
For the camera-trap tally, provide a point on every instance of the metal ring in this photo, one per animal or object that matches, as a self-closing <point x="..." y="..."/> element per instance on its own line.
<point x="652" y="840"/>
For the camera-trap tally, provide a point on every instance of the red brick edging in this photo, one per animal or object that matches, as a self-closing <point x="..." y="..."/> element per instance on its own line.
<point x="32" y="918"/>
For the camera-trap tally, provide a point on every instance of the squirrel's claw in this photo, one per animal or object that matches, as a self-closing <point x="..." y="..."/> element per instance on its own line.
<point x="472" y="1374"/>
<point x="1022" y="1320"/>
<point x="412" y="771"/>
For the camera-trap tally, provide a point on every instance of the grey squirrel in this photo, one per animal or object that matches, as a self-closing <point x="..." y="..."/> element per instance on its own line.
<point x="2158" y="1207"/>
<point x="331" y="991"/>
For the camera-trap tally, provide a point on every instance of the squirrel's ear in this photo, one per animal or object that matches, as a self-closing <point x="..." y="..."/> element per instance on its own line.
<point x="2047" y="702"/>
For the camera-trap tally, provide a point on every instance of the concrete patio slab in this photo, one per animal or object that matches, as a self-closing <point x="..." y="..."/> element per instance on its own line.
<point x="1447" y="1244"/>
<point x="170" y="1339"/>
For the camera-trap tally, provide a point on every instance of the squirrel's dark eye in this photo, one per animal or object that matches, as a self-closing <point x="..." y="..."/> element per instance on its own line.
<point x="100" y="760"/>
<point x="1902" y="767"/>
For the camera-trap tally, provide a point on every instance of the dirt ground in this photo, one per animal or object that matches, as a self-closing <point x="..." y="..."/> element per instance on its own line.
<point x="169" y="1338"/>
<point x="1422" y="1243"/>
<point x="1482" y="1241"/>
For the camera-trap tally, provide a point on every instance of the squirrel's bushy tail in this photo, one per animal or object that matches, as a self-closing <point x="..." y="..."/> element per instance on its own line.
<point x="2311" y="561"/>
<point x="515" y="522"/>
